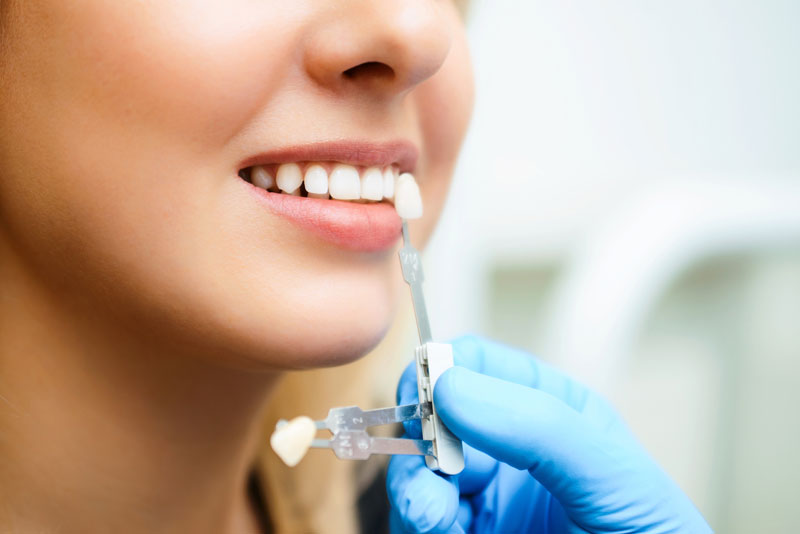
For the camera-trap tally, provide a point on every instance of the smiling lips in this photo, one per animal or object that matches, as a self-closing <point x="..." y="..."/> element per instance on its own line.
<point x="350" y="194"/>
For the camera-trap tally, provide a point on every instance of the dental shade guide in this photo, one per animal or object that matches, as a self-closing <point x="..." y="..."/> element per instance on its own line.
<point x="443" y="451"/>
<point x="351" y="441"/>
<point x="433" y="359"/>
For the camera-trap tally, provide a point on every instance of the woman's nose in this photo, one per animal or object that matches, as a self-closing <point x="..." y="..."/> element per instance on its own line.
<point x="380" y="46"/>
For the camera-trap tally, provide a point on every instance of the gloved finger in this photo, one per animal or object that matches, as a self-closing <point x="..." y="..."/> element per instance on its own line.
<point x="407" y="393"/>
<point x="407" y="386"/>
<point x="533" y="430"/>
<point x="422" y="500"/>
<point x="397" y="526"/>
<point x="506" y="363"/>
<point x="479" y="470"/>
<point x="465" y="515"/>
<point x="479" y="467"/>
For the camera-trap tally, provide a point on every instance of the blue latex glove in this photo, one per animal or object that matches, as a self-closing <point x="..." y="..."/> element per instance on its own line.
<point x="543" y="454"/>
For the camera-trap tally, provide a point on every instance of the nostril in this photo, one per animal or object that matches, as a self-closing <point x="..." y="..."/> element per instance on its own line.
<point x="370" y="69"/>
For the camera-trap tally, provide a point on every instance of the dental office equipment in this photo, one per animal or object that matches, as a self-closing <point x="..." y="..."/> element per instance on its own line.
<point x="348" y="425"/>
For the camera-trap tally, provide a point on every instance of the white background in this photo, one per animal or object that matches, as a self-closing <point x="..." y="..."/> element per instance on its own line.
<point x="627" y="206"/>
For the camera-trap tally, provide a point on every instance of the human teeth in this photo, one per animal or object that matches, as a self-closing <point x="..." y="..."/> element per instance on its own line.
<point x="388" y="183"/>
<point x="316" y="181"/>
<point x="407" y="200"/>
<point x="344" y="183"/>
<point x="291" y="439"/>
<point x="372" y="184"/>
<point x="289" y="177"/>
<point x="260" y="177"/>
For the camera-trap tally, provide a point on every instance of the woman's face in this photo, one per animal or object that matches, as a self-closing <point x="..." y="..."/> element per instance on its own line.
<point x="123" y="129"/>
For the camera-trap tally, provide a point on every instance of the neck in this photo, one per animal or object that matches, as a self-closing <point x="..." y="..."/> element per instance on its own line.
<point x="104" y="431"/>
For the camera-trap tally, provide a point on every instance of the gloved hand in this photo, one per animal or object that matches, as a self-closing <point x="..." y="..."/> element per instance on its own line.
<point x="542" y="452"/>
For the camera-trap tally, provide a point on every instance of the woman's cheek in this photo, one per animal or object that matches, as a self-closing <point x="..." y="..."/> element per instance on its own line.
<point x="127" y="76"/>
<point x="187" y="68"/>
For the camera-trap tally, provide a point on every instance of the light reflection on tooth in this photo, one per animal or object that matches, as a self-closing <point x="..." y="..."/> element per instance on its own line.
<point x="316" y="180"/>
<point x="289" y="177"/>
<point x="388" y="183"/>
<point x="260" y="177"/>
<point x="344" y="183"/>
<point x="407" y="199"/>
<point x="372" y="184"/>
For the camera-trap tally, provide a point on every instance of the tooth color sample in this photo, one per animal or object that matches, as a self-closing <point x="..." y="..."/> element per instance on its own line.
<point x="407" y="199"/>
<point x="291" y="440"/>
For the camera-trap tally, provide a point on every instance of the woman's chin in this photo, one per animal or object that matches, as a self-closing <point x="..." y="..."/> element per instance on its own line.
<point x="319" y="345"/>
<point x="308" y="338"/>
<point x="335" y="349"/>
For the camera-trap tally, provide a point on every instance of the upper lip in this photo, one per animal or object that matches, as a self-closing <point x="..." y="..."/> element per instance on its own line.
<point x="400" y="152"/>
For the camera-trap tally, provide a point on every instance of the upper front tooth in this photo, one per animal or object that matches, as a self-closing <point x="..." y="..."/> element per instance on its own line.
<point x="316" y="179"/>
<point x="344" y="183"/>
<point x="289" y="177"/>
<point x="372" y="184"/>
<point x="260" y="177"/>
<point x="407" y="200"/>
<point x="388" y="183"/>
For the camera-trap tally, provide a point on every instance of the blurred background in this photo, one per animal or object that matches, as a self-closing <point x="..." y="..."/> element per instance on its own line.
<point x="627" y="207"/>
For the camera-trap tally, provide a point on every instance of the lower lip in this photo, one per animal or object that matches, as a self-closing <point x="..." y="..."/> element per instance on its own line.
<point x="348" y="225"/>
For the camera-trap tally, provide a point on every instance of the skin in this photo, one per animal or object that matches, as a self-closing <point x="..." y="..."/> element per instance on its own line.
<point x="148" y="305"/>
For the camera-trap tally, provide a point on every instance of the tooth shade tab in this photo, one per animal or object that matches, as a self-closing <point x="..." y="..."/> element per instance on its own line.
<point x="260" y="177"/>
<point x="407" y="198"/>
<point x="316" y="180"/>
<point x="290" y="177"/>
<point x="344" y="183"/>
<point x="292" y="439"/>
<point x="372" y="184"/>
